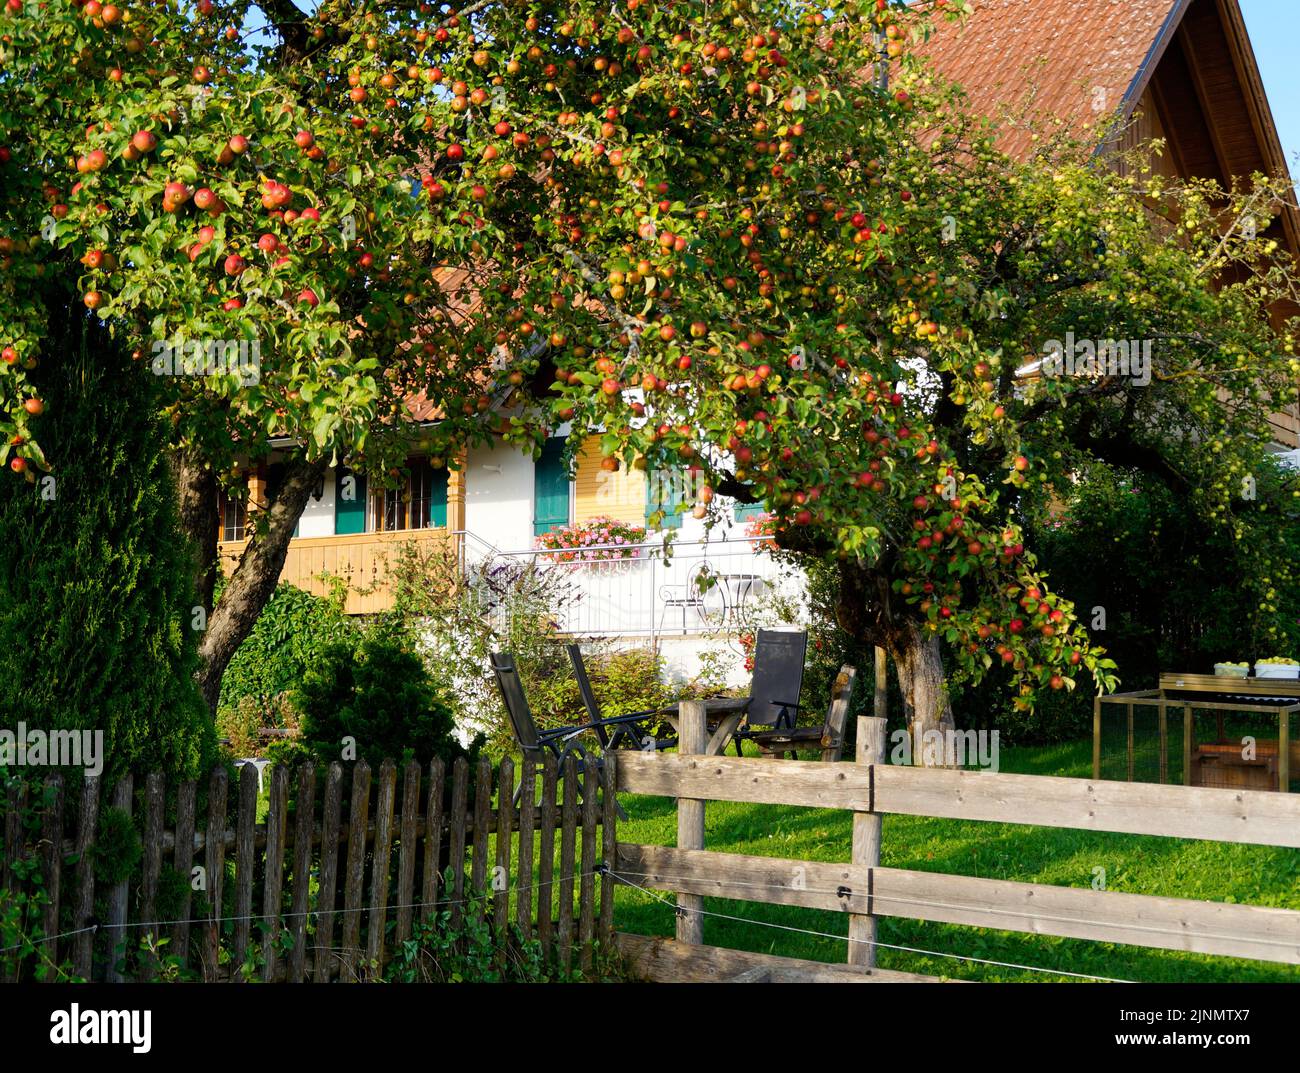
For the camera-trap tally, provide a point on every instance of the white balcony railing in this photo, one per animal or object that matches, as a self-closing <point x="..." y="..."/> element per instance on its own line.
<point x="702" y="587"/>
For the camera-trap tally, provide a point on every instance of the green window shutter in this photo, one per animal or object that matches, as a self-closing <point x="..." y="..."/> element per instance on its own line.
<point x="665" y="495"/>
<point x="349" y="514"/>
<point x="438" y="499"/>
<point x="744" y="511"/>
<point x="550" y="489"/>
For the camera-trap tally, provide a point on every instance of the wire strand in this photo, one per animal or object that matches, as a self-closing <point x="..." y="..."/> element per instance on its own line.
<point x="867" y="942"/>
<point x="469" y="899"/>
<point x="983" y="907"/>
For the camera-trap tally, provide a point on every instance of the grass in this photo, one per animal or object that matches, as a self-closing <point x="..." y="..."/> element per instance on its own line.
<point x="1136" y="864"/>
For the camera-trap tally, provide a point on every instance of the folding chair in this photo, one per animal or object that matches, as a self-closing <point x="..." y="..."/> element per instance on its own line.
<point x="631" y="730"/>
<point x="561" y="742"/>
<point x="777" y="682"/>
<point x="829" y="737"/>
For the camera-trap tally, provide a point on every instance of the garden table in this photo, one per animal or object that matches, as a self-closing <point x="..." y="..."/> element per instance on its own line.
<point x="725" y="714"/>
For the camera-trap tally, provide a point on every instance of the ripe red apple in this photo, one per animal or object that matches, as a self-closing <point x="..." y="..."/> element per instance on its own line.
<point x="176" y="193"/>
<point x="204" y="198"/>
<point x="238" y="145"/>
<point x="234" y="264"/>
<point x="93" y="299"/>
<point x="34" y="406"/>
<point x="9" y="354"/>
<point x="455" y="151"/>
<point x="275" y="195"/>
<point x="144" y="141"/>
<point x="308" y="296"/>
<point x="304" y="139"/>
<point x="18" y="464"/>
<point x="268" y="243"/>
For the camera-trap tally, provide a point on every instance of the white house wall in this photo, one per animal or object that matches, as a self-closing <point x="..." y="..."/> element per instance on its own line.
<point x="318" y="516"/>
<point x="499" y="497"/>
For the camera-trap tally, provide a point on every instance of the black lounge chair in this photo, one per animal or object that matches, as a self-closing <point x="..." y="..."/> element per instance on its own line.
<point x="560" y="742"/>
<point x="829" y="737"/>
<point x="777" y="682"/>
<point x="632" y="730"/>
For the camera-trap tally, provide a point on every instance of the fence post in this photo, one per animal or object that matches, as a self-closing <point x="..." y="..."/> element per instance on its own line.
<point x="1096" y="736"/>
<point x="1284" y="751"/>
<point x="866" y="841"/>
<point x="118" y="906"/>
<point x="692" y="739"/>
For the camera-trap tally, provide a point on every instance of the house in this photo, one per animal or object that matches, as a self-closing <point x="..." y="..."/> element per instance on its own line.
<point x="492" y="507"/>
<point x="1178" y="70"/>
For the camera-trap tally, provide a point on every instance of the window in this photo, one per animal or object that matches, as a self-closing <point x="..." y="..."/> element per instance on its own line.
<point x="420" y="502"/>
<point x="743" y="512"/>
<point x="234" y="518"/>
<point x="550" y="489"/>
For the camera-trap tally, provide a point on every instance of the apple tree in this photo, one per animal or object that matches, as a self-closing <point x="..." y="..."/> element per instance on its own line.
<point x="715" y="233"/>
<point x="867" y="333"/>
<point x="307" y="223"/>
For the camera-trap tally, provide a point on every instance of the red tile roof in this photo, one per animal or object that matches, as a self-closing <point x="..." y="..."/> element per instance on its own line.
<point x="1072" y="61"/>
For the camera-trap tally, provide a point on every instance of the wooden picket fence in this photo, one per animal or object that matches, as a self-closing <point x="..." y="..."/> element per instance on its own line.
<point x="865" y="891"/>
<point x="329" y="892"/>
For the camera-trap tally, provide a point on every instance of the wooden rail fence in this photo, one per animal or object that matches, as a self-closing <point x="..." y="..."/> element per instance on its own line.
<point x="864" y="890"/>
<point x="325" y="892"/>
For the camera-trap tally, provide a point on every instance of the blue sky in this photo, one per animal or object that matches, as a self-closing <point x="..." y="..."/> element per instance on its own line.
<point x="1274" y="27"/>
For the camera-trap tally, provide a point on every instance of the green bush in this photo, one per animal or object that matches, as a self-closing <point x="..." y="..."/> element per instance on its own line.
<point x="379" y="695"/>
<point x="97" y="605"/>
<point x="291" y="634"/>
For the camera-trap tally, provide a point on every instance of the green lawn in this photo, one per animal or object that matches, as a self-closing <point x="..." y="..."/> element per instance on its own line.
<point x="1135" y="864"/>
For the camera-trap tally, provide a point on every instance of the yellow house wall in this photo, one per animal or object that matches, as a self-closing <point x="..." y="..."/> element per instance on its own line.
<point x="620" y="495"/>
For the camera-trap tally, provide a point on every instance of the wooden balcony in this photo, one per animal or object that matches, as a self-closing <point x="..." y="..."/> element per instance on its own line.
<point x="361" y="559"/>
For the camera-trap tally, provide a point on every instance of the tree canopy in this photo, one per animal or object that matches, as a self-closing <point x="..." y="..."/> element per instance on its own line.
<point x="754" y="241"/>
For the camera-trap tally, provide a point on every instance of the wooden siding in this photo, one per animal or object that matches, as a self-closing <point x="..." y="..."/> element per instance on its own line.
<point x="362" y="559"/>
<point x="597" y="493"/>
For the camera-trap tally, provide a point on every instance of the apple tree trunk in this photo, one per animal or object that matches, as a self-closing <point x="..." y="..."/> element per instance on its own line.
<point x="232" y="617"/>
<point x="918" y="661"/>
<point x="866" y="611"/>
